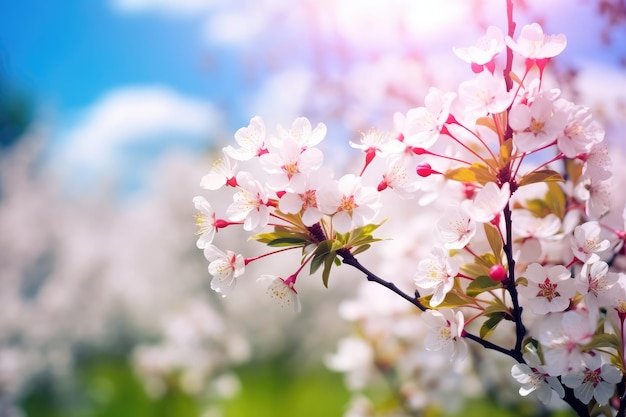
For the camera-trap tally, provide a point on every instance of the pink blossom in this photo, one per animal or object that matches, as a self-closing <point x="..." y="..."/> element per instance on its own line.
<point x="596" y="380"/>
<point x="581" y="132"/>
<point x="488" y="203"/>
<point x="422" y="125"/>
<point x="282" y="291"/>
<point x="289" y="164"/>
<point x="436" y="275"/>
<point x="249" y="204"/>
<point x="533" y="44"/>
<point x="596" y="195"/>
<point x="484" y="51"/>
<point x="598" y="162"/>
<point x="533" y="377"/>
<point x="456" y="229"/>
<point x="302" y="133"/>
<point x="378" y="141"/>
<point x="251" y="141"/>
<point x="561" y="335"/>
<point x="548" y="290"/>
<point x="222" y="173"/>
<point x="446" y="332"/>
<point x="536" y="125"/>
<point x="304" y="199"/>
<point x="225" y="267"/>
<point x="595" y="282"/>
<point x="588" y="243"/>
<point x="205" y="220"/>
<point x="485" y="94"/>
<point x="349" y="202"/>
<point x="398" y="178"/>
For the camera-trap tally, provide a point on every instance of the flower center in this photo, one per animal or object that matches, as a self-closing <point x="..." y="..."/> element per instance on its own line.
<point x="290" y="169"/>
<point x="592" y="376"/>
<point x="536" y="126"/>
<point x="548" y="290"/>
<point x="445" y="335"/>
<point x="308" y="199"/>
<point x="591" y="244"/>
<point x="348" y="204"/>
<point x="204" y="223"/>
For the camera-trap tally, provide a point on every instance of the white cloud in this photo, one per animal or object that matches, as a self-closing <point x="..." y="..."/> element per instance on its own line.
<point x="283" y="95"/>
<point x="234" y="27"/>
<point x="138" y="116"/>
<point x="170" y="7"/>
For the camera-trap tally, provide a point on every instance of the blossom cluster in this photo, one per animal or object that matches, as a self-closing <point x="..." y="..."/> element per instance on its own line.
<point x="521" y="261"/>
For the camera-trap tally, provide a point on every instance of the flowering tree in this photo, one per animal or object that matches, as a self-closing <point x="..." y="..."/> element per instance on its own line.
<point x="522" y="263"/>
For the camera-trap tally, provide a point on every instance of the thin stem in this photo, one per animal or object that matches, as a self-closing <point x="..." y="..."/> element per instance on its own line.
<point x="489" y="345"/>
<point x="470" y="150"/>
<point x="349" y="259"/>
<point x="256" y="258"/>
<point x="479" y="139"/>
<point x="520" y="330"/>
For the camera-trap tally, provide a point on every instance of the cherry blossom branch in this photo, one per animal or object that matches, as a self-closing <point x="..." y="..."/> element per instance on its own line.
<point x="520" y="330"/>
<point x="578" y="407"/>
<point x="349" y="259"/>
<point x="621" y="412"/>
<point x="489" y="345"/>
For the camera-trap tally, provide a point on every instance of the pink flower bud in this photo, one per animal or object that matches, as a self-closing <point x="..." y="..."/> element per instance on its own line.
<point x="424" y="170"/>
<point x="497" y="273"/>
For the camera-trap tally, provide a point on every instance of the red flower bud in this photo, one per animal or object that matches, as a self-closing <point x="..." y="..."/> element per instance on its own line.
<point x="497" y="273"/>
<point x="424" y="170"/>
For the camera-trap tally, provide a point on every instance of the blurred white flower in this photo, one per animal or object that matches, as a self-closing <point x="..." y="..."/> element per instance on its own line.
<point x="446" y="332"/>
<point x="488" y="203"/>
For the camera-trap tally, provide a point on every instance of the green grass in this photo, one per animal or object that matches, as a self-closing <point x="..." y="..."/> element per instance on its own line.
<point x="106" y="386"/>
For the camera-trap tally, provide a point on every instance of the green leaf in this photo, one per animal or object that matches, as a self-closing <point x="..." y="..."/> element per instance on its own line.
<point x="281" y="233"/>
<point x="603" y="340"/>
<point x="451" y="300"/>
<point x="287" y="241"/>
<point x="487" y="122"/>
<point x="361" y="235"/>
<point x="328" y="264"/>
<point x="322" y="250"/>
<point x="487" y="260"/>
<point x="555" y="199"/>
<point x="506" y="150"/>
<point x="495" y="241"/>
<point x="545" y="175"/>
<point x="482" y="284"/>
<point x="497" y="306"/>
<point x="476" y="173"/>
<point x="522" y="281"/>
<point x="475" y="270"/>
<point x="361" y="249"/>
<point x="490" y="325"/>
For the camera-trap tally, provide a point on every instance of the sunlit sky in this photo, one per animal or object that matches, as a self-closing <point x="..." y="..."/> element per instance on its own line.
<point x="113" y="80"/>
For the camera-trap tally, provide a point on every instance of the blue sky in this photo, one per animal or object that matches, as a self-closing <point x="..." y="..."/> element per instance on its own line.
<point x="67" y="53"/>
<point x="69" y="56"/>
